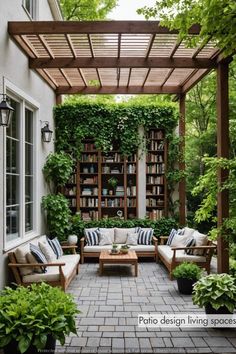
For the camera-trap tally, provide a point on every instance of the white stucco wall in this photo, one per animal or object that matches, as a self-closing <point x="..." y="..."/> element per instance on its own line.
<point x="14" y="70"/>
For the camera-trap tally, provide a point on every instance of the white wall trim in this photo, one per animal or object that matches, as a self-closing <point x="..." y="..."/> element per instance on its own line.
<point x="56" y="11"/>
<point x="11" y="88"/>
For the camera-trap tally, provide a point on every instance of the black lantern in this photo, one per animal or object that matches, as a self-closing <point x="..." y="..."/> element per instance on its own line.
<point x="6" y="112"/>
<point x="46" y="133"/>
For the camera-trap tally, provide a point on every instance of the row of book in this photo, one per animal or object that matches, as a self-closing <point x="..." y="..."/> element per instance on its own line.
<point x="131" y="168"/>
<point x="89" y="180"/>
<point x="158" y="168"/>
<point x="156" y="134"/>
<point x="89" y="202"/>
<point x="155" y="214"/>
<point x="131" y="203"/>
<point x="156" y="145"/>
<point x="89" y="158"/>
<point x="131" y="191"/>
<point x="155" y="180"/>
<point x="153" y="202"/>
<point x="89" y="147"/>
<point x="112" y="170"/>
<point x="156" y="190"/>
<point x="112" y="203"/>
<point x="115" y="157"/>
<point x="154" y="158"/>
<point x="90" y="215"/>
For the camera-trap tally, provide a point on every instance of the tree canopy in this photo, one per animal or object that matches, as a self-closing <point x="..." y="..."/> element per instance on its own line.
<point x="216" y="17"/>
<point x="86" y="9"/>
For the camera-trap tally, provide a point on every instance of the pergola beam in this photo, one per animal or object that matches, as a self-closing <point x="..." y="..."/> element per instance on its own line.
<point x="128" y="62"/>
<point x="91" y="27"/>
<point x="117" y="90"/>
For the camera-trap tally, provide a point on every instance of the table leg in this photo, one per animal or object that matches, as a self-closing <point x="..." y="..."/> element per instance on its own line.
<point x="100" y="267"/>
<point x="136" y="268"/>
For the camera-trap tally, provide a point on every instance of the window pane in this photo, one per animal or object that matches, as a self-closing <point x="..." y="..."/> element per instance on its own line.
<point x="28" y="126"/>
<point x="29" y="217"/>
<point x="12" y="189"/>
<point x="12" y="156"/>
<point x="28" y="159"/>
<point x="28" y="189"/>
<point x="13" y="129"/>
<point x="12" y="227"/>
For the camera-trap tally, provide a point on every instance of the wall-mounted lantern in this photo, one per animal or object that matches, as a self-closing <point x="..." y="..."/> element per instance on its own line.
<point x="6" y="112"/>
<point x="46" y="133"/>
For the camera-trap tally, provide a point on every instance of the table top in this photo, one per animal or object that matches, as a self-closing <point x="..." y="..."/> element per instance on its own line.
<point x="105" y="255"/>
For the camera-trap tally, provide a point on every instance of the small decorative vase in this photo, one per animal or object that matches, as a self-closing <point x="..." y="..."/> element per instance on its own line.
<point x="104" y="191"/>
<point x="72" y="239"/>
<point x="110" y="192"/>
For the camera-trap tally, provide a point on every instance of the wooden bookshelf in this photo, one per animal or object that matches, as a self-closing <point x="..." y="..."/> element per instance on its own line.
<point x="156" y="162"/>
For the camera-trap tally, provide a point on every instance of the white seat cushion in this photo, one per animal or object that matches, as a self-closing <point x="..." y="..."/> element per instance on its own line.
<point x="167" y="254"/>
<point x="53" y="272"/>
<point x="138" y="248"/>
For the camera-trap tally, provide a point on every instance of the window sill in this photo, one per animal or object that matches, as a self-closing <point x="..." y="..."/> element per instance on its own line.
<point x="20" y="242"/>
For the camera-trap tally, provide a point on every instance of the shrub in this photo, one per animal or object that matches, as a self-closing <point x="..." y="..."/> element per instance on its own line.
<point x="58" y="168"/>
<point x="187" y="270"/>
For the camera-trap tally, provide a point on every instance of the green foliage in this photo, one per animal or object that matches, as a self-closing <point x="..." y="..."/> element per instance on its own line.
<point x="215" y="289"/>
<point x="107" y="123"/>
<point x="86" y="9"/>
<point x="112" y="182"/>
<point x="58" y="168"/>
<point x="232" y="268"/>
<point x="187" y="270"/>
<point x="29" y="314"/>
<point x="217" y="20"/>
<point x="208" y="187"/>
<point x="58" y="215"/>
<point x="161" y="227"/>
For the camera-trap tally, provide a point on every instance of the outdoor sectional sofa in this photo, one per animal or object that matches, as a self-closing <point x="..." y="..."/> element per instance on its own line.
<point x="59" y="272"/>
<point x="119" y="236"/>
<point x="200" y="252"/>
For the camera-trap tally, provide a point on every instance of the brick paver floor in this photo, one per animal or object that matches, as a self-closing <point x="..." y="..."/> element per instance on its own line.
<point x="110" y="305"/>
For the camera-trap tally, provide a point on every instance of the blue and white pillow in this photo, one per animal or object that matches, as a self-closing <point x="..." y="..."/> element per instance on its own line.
<point x="145" y="236"/>
<point x="56" y="247"/>
<point x="137" y="229"/>
<point x="92" y="237"/>
<point x="181" y="231"/>
<point x="191" y="243"/>
<point x="172" y="234"/>
<point x="39" y="256"/>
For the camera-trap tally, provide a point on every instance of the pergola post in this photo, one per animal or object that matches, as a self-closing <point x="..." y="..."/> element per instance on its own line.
<point x="58" y="99"/>
<point x="182" y="183"/>
<point x="222" y="151"/>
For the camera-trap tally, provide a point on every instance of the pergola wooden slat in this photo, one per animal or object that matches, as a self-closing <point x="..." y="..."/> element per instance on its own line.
<point x="130" y="57"/>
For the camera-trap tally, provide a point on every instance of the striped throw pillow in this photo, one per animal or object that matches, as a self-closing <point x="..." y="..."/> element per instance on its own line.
<point x="191" y="243"/>
<point x="172" y="234"/>
<point x="145" y="236"/>
<point x="39" y="256"/>
<point x="56" y="247"/>
<point x="92" y="237"/>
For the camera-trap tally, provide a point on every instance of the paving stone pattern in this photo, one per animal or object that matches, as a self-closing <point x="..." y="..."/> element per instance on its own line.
<point x="110" y="305"/>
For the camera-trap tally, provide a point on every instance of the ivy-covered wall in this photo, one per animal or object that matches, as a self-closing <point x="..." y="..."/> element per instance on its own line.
<point x="110" y="122"/>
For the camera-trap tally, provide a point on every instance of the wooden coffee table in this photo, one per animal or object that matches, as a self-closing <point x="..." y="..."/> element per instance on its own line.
<point x="129" y="258"/>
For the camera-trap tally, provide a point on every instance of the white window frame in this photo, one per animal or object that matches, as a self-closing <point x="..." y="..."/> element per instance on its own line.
<point x="33" y="14"/>
<point x="28" y="102"/>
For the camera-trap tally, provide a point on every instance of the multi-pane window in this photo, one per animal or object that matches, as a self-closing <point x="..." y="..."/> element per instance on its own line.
<point x="30" y="6"/>
<point x="13" y="175"/>
<point x="20" y="173"/>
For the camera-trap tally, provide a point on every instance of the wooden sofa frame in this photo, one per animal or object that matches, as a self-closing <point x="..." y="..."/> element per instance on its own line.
<point x="208" y="252"/>
<point x="62" y="282"/>
<point x="97" y="254"/>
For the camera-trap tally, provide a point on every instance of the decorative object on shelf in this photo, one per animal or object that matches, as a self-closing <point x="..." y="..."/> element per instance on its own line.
<point x="104" y="191"/>
<point x="72" y="239"/>
<point x="46" y="133"/>
<point x="187" y="274"/>
<point x="112" y="182"/>
<point x="6" y="111"/>
<point x="120" y="213"/>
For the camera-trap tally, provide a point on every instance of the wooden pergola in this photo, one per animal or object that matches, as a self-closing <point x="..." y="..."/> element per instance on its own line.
<point x="129" y="57"/>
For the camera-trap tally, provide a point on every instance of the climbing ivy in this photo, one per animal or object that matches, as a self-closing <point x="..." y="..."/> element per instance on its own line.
<point x="107" y="123"/>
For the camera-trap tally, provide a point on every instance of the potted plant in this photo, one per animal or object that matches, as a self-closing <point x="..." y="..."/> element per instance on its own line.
<point x="124" y="249"/>
<point x="215" y="292"/>
<point x="33" y="318"/>
<point x="186" y="274"/>
<point x="115" y="248"/>
<point x="112" y="182"/>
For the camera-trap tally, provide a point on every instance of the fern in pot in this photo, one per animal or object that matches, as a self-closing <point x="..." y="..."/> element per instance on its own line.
<point x="215" y="292"/>
<point x="33" y="318"/>
<point x="186" y="274"/>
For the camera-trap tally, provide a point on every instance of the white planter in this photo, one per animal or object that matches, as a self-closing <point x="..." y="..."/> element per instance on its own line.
<point x="72" y="239"/>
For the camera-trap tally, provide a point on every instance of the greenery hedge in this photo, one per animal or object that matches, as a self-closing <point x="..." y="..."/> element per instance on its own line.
<point x="162" y="227"/>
